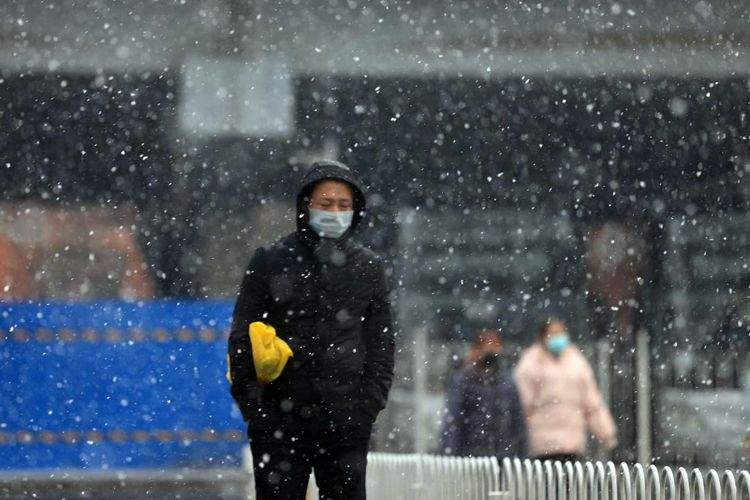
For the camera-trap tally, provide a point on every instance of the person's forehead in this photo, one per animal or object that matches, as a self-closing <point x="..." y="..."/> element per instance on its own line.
<point x="332" y="187"/>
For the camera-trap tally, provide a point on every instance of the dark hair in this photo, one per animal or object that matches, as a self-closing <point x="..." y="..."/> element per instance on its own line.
<point x="544" y="325"/>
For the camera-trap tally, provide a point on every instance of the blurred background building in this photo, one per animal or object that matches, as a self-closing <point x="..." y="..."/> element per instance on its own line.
<point x="584" y="158"/>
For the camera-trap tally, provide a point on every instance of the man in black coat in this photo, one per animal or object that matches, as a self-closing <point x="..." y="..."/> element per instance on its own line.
<point x="328" y="298"/>
<point x="485" y="417"/>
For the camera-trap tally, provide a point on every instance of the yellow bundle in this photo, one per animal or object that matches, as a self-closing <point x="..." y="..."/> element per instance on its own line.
<point x="270" y="353"/>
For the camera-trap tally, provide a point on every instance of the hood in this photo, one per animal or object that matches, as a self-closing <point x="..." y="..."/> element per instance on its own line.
<point x="329" y="169"/>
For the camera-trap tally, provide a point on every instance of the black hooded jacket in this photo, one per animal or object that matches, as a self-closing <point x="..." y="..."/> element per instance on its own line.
<point x="329" y="300"/>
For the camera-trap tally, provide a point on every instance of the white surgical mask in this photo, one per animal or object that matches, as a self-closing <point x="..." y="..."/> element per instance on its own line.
<point x="330" y="224"/>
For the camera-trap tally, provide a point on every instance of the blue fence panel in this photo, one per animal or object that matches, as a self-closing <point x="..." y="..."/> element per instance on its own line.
<point x="116" y="384"/>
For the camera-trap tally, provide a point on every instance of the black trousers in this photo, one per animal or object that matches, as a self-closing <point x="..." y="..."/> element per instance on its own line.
<point x="284" y="455"/>
<point x="282" y="471"/>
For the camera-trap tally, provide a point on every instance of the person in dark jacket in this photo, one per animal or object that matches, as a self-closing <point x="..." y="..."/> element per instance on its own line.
<point x="328" y="299"/>
<point x="485" y="417"/>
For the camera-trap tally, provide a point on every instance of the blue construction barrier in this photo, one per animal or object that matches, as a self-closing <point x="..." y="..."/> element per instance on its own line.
<point x="116" y="384"/>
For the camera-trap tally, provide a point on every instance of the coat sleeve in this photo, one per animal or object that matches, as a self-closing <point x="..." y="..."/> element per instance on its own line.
<point x="518" y="423"/>
<point x="253" y="303"/>
<point x="598" y="417"/>
<point x="451" y="437"/>
<point x="524" y="377"/>
<point x="379" y="339"/>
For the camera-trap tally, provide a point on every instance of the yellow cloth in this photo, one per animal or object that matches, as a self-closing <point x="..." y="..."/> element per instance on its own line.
<point x="270" y="353"/>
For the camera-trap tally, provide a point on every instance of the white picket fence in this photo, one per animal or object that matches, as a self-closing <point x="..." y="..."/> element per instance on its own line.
<point x="392" y="476"/>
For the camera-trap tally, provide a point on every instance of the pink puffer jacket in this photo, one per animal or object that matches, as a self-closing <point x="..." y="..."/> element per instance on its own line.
<point x="562" y="401"/>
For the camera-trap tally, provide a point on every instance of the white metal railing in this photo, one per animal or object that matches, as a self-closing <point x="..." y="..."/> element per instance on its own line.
<point x="415" y="476"/>
<point x="529" y="479"/>
<point x="393" y="476"/>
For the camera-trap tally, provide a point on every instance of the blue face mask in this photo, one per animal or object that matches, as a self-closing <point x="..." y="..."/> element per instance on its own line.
<point x="557" y="343"/>
<point x="328" y="224"/>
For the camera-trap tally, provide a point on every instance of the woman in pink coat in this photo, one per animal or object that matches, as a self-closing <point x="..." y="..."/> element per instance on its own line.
<point x="560" y="397"/>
